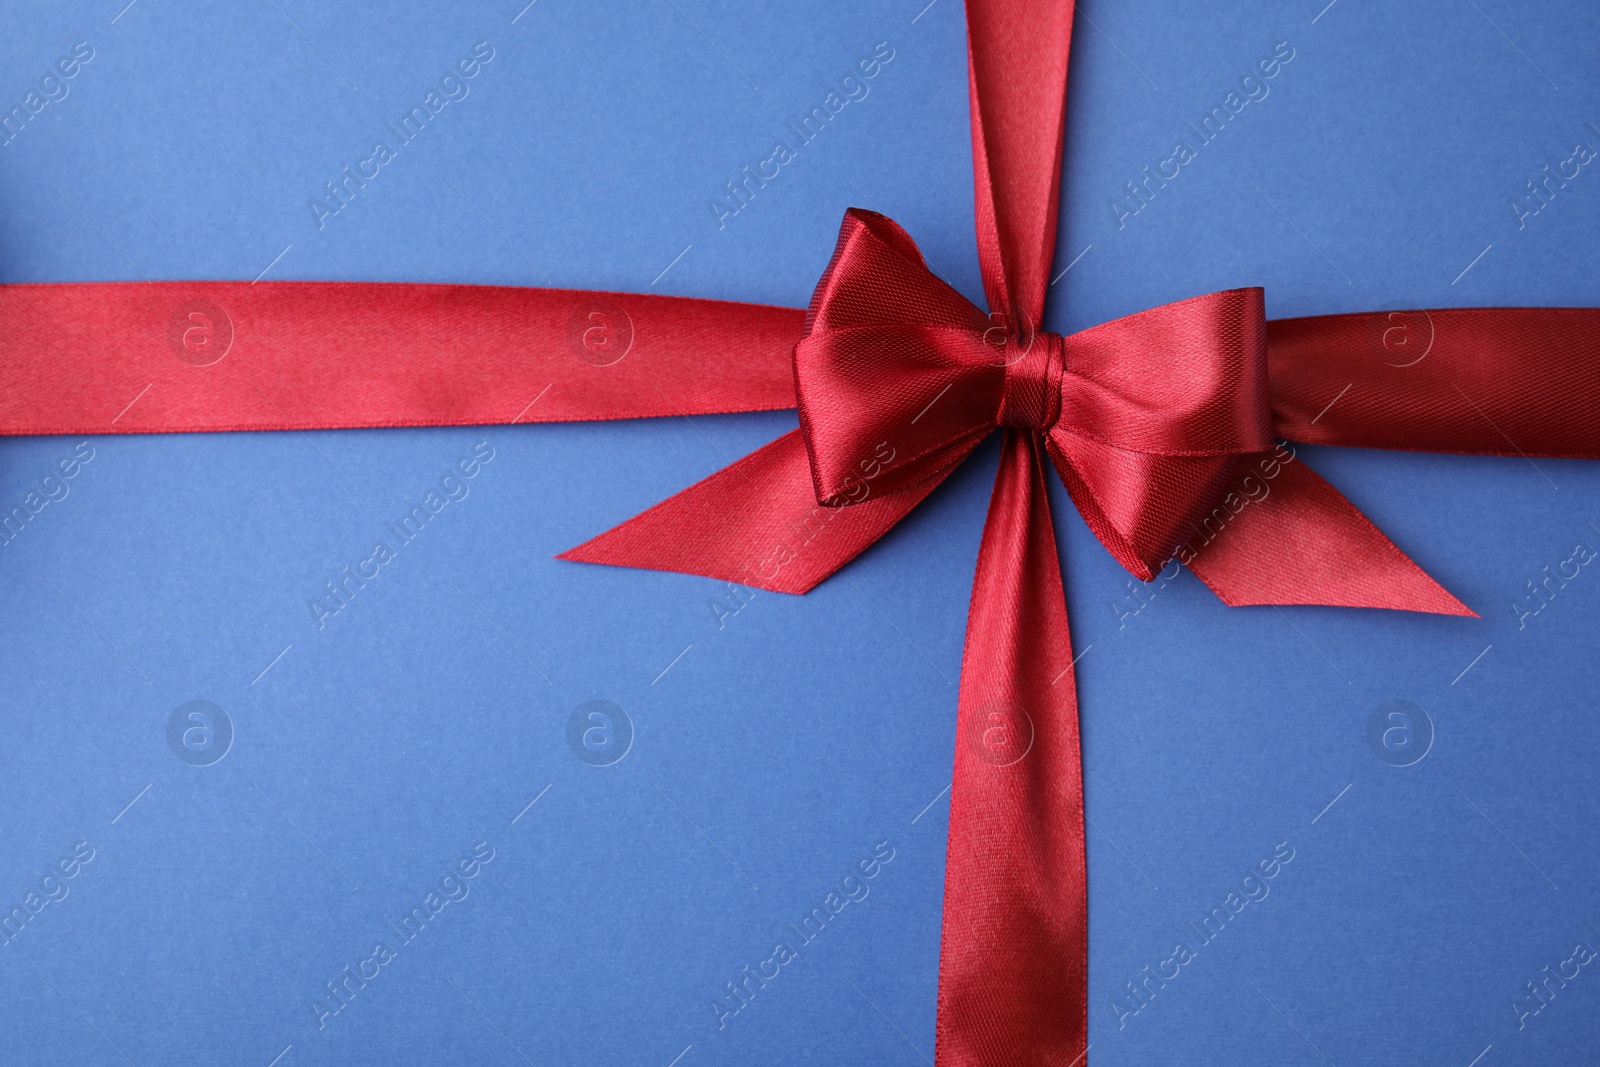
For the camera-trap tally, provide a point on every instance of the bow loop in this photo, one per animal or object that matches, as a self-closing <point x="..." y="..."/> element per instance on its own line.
<point x="894" y="376"/>
<point x="1183" y="379"/>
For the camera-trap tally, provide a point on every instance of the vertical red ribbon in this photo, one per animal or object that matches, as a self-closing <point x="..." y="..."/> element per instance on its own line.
<point x="1014" y="950"/>
<point x="1013" y="962"/>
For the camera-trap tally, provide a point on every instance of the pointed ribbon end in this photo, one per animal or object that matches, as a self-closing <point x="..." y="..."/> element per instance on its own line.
<point x="660" y="540"/>
<point x="756" y="522"/>
<point x="1304" y="543"/>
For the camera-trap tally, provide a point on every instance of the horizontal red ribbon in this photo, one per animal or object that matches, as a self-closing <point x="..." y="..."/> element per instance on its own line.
<point x="340" y="355"/>
<point x="202" y="356"/>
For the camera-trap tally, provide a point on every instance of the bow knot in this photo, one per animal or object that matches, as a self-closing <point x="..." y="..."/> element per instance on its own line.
<point x="898" y="377"/>
<point x="1031" y="396"/>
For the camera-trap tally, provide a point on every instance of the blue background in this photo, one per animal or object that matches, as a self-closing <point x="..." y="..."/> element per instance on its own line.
<point x="775" y="750"/>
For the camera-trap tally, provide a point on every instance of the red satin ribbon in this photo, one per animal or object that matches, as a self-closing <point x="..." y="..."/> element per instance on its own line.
<point x="1156" y="423"/>
<point x="182" y="357"/>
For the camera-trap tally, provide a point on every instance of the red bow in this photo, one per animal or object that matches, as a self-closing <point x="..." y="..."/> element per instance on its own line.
<point x="1148" y="420"/>
<point x="1158" y="424"/>
<point x="898" y="377"/>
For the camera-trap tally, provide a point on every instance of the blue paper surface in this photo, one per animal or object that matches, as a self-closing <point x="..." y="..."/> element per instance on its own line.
<point x="218" y="802"/>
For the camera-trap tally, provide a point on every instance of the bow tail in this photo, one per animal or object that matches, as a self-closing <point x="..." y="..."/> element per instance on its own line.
<point x="1277" y="534"/>
<point x="1013" y="961"/>
<point x="1295" y="539"/>
<point x="756" y="522"/>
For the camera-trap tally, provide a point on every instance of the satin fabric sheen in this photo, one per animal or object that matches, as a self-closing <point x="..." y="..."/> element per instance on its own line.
<point x="1150" y="421"/>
